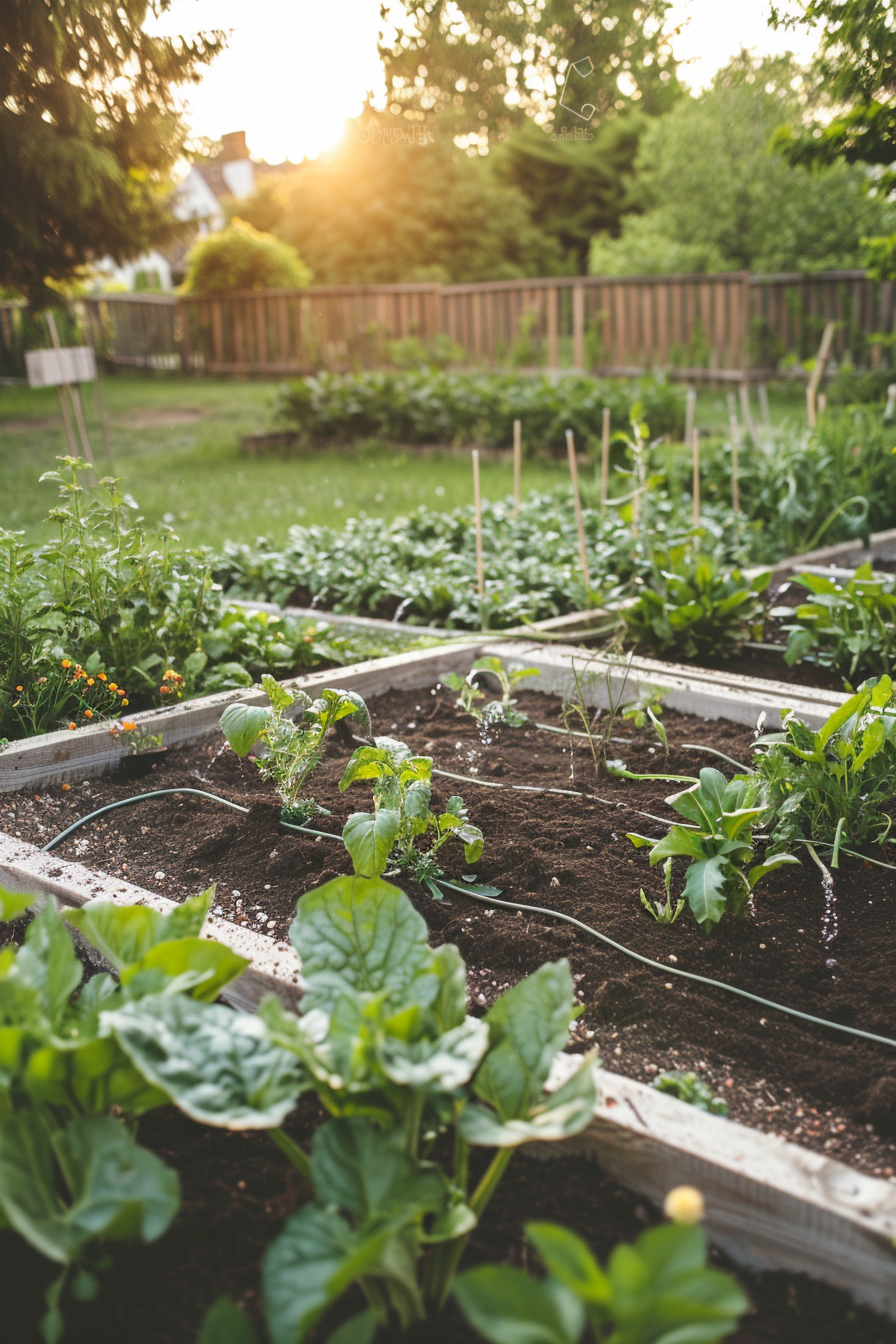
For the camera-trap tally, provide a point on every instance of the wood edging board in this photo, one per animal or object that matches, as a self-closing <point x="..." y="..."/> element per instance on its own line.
<point x="857" y="545"/>
<point x="64" y="755"/>
<point x="770" y="1204"/>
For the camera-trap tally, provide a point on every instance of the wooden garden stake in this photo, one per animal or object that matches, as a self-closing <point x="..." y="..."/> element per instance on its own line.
<point x="75" y="396"/>
<point x="762" y="390"/>
<point x="746" y="412"/>
<point x="605" y="458"/>
<point x="690" y="414"/>
<point x="822" y="403"/>
<point x="695" y="444"/>
<point x="517" y="460"/>
<point x="477" y="504"/>
<point x="735" y="477"/>
<point x="580" y="522"/>
<point x="817" y="374"/>
<point x="891" y="402"/>
<point x="62" y="393"/>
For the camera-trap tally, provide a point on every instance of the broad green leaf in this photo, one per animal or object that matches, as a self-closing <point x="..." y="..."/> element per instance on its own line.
<point x="363" y="1171"/>
<point x="350" y="703"/>
<point x="639" y="841"/>
<point x="123" y="934"/>
<point x="278" y="695"/>
<point x="443" y="1064"/>
<point x="359" y="935"/>
<point x="369" y="837"/>
<point x="119" y="1191"/>
<point x="416" y="801"/>
<point x="873" y="738"/>
<point x="358" y="1329"/>
<point x="777" y="861"/>
<point x="47" y="963"/>
<point x="473" y="842"/>
<point x="308" y="1266"/>
<point x="366" y="763"/>
<point x="556" y="1115"/>
<point x="704" y="889"/>
<point x="568" y="1259"/>
<point x="488" y="664"/>
<point x="215" y="963"/>
<point x="678" y="841"/>
<point x="13" y="904"/>
<point x="218" y="1066"/>
<point x="90" y="1075"/>
<point x="528" y="1026"/>
<point x="224" y="1323"/>
<point x="450" y="1005"/>
<point x="854" y="705"/>
<point x="242" y="725"/>
<point x="507" y="1307"/>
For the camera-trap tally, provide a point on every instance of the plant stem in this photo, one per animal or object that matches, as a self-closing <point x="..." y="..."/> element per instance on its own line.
<point x="412" y="1124"/>
<point x="297" y="1156"/>
<point x="448" y="1255"/>
<point x="486" y="1187"/>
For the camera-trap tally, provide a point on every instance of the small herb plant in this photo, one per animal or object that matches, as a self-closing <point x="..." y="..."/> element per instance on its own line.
<point x="293" y="748"/>
<point x="659" y="1290"/>
<point x="719" y="844"/>
<point x="664" y="912"/>
<point x="402" y="793"/>
<point x="496" y="712"/>
<point x="850" y="627"/>
<point x="690" y="1088"/>
<point x="73" y="1179"/>
<point x="694" y="607"/>
<point x="648" y="708"/>
<point x="834" y="785"/>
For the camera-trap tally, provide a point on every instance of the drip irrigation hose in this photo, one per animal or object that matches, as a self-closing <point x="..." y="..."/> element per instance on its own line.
<point x="474" y="895"/>
<point x="669" y="970"/>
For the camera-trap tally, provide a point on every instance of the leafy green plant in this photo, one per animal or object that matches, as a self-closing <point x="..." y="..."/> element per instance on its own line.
<point x="690" y="1088"/>
<point x="402" y="793"/>
<point x="73" y="1179"/>
<point x="719" y="844"/>
<point x="648" y="708"/>
<point x="243" y="644"/>
<point x="386" y="1043"/>
<point x="664" y="912"/>
<point x="850" y="626"/>
<point x="833" y="785"/>
<point x="293" y="748"/>
<point x="496" y="712"/>
<point x="694" y="607"/>
<point x="657" y="1291"/>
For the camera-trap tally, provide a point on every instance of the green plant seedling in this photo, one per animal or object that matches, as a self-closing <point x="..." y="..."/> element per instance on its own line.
<point x="402" y="792"/>
<point x="412" y="1081"/>
<point x="648" y="708"/>
<point x="659" y="1289"/>
<point x="719" y="844"/>
<point x="664" y="913"/>
<point x="690" y="1088"/>
<point x="496" y="712"/>
<point x="294" y="748"/>
<point x="850" y="627"/>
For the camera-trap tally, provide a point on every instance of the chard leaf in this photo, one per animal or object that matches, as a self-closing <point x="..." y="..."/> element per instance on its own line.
<point x="366" y="763"/>
<point x="123" y="934"/>
<point x="776" y="861"/>
<point x="556" y="1115"/>
<point x="359" y="935"/>
<point x="216" y="964"/>
<point x="119" y="1191"/>
<point x="704" y="889"/>
<point x="358" y="1168"/>
<point x="47" y="965"/>
<point x="219" y="1067"/>
<point x="369" y="837"/>
<point x="242" y="725"/>
<point x="443" y="1064"/>
<point x="450" y="1005"/>
<point x="416" y="801"/>
<point x="678" y="841"/>
<point x="505" y="1306"/>
<point x="528" y="1026"/>
<point x="91" y="1074"/>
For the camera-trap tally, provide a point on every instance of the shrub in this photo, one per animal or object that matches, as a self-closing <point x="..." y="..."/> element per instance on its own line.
<point x="240" y="257"/>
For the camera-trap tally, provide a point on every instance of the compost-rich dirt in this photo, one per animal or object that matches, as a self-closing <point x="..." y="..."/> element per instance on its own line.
<point x="570" y="854"/>
<point x="238" y="1190"/>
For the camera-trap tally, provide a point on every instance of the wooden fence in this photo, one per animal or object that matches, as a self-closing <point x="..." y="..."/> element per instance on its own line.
<point x="719" y="327"/>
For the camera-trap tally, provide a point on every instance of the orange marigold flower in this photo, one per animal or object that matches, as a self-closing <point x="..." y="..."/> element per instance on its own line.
<point x="101" y="676"/>
<point x="113" y="685"/>
<point x="73" y="725"/>
<point x="66" y="662"/>
<point x="169" y="675"/>
<point x="65" y="788"/>
<point x="128" y="726"/>
<point x="90" y="681"/>
<point x="124" y="702"/>
<point x="164" y="690"/>
<point x="20" y="688"/>
<point x="88" y="713"/>
<point x="121" y="691"/>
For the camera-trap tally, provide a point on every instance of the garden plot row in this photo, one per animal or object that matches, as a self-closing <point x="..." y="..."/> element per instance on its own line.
<point x="770" y="1204"/>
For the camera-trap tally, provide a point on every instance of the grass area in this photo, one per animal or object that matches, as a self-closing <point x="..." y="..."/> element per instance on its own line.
<point x="175" y="443"/>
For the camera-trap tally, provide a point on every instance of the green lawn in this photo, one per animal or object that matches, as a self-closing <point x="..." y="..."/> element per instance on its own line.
<point x="174" y="441"/>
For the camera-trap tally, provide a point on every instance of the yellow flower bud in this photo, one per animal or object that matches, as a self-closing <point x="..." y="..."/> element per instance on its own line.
<point x="684" y="1204"/>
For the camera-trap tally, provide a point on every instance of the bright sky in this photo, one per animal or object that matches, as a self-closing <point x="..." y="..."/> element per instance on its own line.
<point x="296" y="69"/>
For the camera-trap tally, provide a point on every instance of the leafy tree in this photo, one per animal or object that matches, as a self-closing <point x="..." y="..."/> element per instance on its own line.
<point x="857" y="64"/>
<point x="374" y="211"/>
<point x="89" y="132"/>
<point x="496" y="61"/>
<point x="715" y="196"/>
<point x="240" y="257"/>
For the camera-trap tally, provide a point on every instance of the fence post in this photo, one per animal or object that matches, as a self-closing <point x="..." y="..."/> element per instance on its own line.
<point x="553" y="324"/>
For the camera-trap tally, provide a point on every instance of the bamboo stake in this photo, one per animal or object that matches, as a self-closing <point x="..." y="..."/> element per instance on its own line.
<point x="73" y="394"/>
<point x="477" y="505"/>
<point x="822" y="403"/>
<point x="817" y="374"/>
<point x="517" y="460"/>
<point x="605" y="458"/>
<point x="891" y="402"/>
<point x="695" y="448"/>
<point x="746" y="412"/>
<point x="62" y="392"/>
<point x="735" y="476"/>
<point x="100" y="409"/>
<point x="690" y="414"/>
<point x="580" y="522"/>
<point x="764" y="407"/>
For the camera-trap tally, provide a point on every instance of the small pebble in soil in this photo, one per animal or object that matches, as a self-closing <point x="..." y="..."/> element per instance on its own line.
<point x="160" y="876"/>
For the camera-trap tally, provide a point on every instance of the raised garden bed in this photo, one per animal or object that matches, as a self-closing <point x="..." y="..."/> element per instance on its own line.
<point x="834" y="1221"/>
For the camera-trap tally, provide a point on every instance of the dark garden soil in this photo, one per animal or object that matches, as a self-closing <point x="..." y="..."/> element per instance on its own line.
<point x="238" y="1190"/>
<point x="825" y="1090"/>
